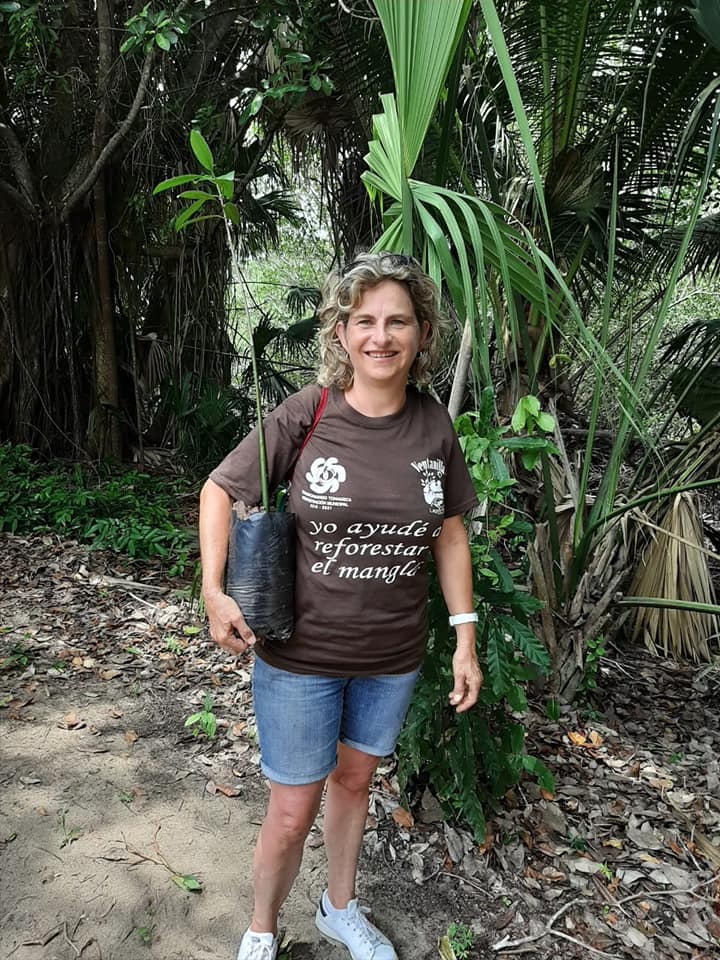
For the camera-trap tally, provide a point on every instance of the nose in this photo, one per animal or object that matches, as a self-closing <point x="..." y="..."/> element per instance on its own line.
<point x="382" y="333"/>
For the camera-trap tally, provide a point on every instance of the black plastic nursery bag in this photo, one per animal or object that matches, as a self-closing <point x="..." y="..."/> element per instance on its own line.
<point x="261" y="572"/>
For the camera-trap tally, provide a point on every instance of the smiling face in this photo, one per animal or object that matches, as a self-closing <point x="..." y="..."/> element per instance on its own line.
<point x="382" y="335"/>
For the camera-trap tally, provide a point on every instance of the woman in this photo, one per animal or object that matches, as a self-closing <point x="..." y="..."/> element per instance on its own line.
<point x="380" y="484"/>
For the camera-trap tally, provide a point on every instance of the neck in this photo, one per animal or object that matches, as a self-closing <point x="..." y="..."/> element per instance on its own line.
<point x="376" y="401"/>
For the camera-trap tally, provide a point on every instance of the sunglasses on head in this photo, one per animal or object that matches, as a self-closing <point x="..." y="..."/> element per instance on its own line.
<point x="391" y="260"/>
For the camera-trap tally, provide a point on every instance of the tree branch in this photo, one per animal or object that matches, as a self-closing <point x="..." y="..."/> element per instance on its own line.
<point x="17" y="198"/>
<point x="109" y="148"/>
<point x="19" y="164"/>
<point x="107" y="151"/>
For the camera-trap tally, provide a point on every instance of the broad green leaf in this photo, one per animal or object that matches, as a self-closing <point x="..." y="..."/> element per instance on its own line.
<point x="546" y="422"/>
<point x="422" y="36"/>
<point x="197" y="195"/>
<point x="544" y="777"/>
<point x="162" y="41"/>
<point x="188" y="882"/>
<point x="202" y="151"/>
<point x="231" y="212"/>
<point x="184" y="216"/>
<point x="176" y="182"/>
<point x="226" y="183"/>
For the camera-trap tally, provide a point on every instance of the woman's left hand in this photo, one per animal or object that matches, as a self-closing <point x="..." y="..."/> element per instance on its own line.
<point x="468" y="680"/>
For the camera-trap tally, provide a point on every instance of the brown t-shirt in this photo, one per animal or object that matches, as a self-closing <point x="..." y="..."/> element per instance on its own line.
<point x="370" y="495"/>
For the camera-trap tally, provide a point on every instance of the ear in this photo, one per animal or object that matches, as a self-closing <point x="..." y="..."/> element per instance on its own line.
<point x="341" y="333"/>
<point x="424" y="332"/>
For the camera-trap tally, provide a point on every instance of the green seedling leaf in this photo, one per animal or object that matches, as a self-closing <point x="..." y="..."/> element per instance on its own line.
<point x="315" y="82"/>
<point x="545" y="779"/>
<point x="518" y="418"/>
<point x="231" y="212"/>
<point x="191" y="631"/>
<point x="176" y="182"/>
<point x="196" y="195"/>
<point x="188" y="882"/>
<point x="546" y="423"/>
<point x="183" y="218"/>
<point x="226" y="185"/>
<point x="162" y="41"/>
<point x="193" y="719"/>
<point x="202" y="151"/>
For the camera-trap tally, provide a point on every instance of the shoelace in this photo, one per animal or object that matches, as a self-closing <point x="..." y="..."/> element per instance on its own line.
<point x="357" y="919"/>
<point x="259" y="950"/>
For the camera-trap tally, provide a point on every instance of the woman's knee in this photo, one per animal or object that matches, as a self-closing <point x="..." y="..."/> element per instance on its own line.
<point x="354" y="771"/>
<point x="292" y="810"/>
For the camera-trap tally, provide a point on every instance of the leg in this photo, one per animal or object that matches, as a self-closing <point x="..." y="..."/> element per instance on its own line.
<point x="346" y="806"/>
<point x="373" y="712"/>
<point x="279" y="849"/>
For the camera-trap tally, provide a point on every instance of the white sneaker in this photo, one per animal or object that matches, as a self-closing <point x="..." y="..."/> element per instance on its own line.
<point x="352" y="929"/>
<point x="258" y="946"/>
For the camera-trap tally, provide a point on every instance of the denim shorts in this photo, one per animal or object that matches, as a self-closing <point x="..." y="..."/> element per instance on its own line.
<point x="300" y="719"/>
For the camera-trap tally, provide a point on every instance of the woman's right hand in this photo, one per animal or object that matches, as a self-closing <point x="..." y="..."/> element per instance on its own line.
<point x="227" y="624"/>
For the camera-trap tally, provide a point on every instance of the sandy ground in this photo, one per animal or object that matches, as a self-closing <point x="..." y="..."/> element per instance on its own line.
<point x="104" y="814"/>
<point x="110" y="806"/>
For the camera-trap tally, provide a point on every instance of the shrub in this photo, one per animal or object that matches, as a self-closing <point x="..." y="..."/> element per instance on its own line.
<point x="130" y="512"/>
<point x="473" y="758"/>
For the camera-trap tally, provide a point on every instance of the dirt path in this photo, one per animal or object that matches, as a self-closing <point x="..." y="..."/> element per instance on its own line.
<point x="107" y="797"/>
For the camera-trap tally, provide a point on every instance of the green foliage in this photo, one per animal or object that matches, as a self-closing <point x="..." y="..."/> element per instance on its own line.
<point x="132" y="512"/>
<point x="203" y="420"/>
<point x="461" y="940"/>
<point x="204" y="721"/>
<point x="593" y="656"/>
<point x="17" y="659"/>
<point x="471" y="759"/>
<point x="150" y="28"/>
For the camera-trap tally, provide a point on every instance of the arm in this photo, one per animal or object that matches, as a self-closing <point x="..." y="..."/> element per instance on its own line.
<point x="227" y="624"/>
<point x="452" y="561"/>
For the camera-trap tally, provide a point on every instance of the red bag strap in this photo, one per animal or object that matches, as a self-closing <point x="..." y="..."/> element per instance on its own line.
<point x="322" y="403"/>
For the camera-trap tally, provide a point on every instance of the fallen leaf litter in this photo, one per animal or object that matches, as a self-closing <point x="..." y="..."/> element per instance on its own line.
<point x="624" y="860"/>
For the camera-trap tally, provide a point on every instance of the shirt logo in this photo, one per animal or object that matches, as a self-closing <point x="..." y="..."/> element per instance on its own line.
<point x="431" y="477"/>
<point x="326" y="475"/>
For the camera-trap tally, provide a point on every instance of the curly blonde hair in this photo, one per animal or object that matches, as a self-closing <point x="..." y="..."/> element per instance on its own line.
<point x="342" y="292"/>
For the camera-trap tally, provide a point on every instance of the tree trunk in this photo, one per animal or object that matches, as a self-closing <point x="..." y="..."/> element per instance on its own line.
<point x="104" y="426"/>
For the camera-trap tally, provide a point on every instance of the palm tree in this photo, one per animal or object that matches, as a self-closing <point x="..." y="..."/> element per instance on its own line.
<point x="588" y="127"/>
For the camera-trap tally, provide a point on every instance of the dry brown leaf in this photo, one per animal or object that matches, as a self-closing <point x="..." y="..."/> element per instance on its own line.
<point x="227" y="791"/>
<point x="547" y="794"/>
<point x="71" y="721"/>
<point x="403" y="818"/>
<point x="130" y="736"/>
<point x="612" y="842"/>
<point x="577" y="738"/>
<point x="595" y="739"/>
<point x="110" y="675"/>
<point x="42" y="811"/>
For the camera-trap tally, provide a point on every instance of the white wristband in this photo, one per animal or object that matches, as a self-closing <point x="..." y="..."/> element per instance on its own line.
<point x="457" y="618"/>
